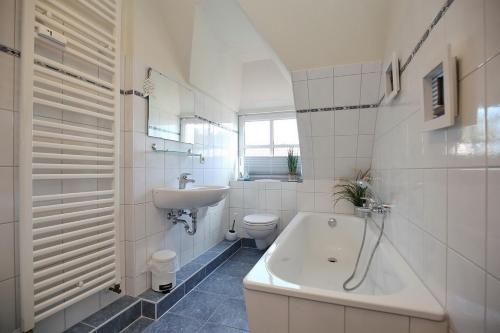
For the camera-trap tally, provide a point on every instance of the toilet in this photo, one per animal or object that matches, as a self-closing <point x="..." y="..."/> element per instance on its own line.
<point x="261" y="227"/>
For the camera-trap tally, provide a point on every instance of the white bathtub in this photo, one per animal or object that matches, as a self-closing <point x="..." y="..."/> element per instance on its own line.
<point x="295" y="288"/>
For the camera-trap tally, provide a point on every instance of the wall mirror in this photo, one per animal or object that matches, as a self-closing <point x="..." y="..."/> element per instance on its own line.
<point x="168" y="103"/>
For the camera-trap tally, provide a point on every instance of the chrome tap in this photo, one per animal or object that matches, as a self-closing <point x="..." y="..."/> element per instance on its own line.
<point x="375" y="202"/>
<point x="183" y="180"/>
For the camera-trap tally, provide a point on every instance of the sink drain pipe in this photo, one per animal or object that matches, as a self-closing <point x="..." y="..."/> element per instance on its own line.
<point x="175" y="216"/>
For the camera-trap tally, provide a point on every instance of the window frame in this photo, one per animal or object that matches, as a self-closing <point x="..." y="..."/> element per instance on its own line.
<point x="260" y="117"/>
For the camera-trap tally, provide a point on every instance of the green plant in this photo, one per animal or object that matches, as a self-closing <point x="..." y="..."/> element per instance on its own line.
<point x="293" y="161"/>
<point x="350" y="190"/>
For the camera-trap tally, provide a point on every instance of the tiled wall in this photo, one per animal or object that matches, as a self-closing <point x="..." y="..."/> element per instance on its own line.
<point x="278" y="198"/>
<point x="336" y="122"/>
<point x="146" y="227"/>
<point x="9" y="268"/>
<point x="445" y="184"/>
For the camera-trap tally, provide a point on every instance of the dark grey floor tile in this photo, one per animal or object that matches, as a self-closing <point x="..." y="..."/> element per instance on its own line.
<point x="222" y="246"/>
<point x="155" y="296"/>
<point x="214" y="328"/>
<point x="235" y="268"/>
<point x="172" y="323"/>
<point x="138" y="326"/>
<point x="187" y="270"/>
<point x="198" y="305"/>
<point x="205" y="258"/>
<point x="222" y="284"/>
<point x="124" y="319"/>
<point x="171" y="298"/>
<point x="109" y="311"/>
<point x="248" y="242"/>
<point x="149" y="309"/>
<point x="231" y="313"/>
<point x="249" y="256"/>
<point x="80" y="328"/>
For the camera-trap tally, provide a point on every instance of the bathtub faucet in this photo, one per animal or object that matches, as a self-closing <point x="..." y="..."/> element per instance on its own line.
<point x="375" y="202"/>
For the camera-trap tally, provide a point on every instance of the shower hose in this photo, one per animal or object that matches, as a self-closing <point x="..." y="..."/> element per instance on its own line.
<point x="346" y="288"/>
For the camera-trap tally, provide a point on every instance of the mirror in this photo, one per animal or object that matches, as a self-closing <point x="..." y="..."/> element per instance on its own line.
<point x="168" y="102"/>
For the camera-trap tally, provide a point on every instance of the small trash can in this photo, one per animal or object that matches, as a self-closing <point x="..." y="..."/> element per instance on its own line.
<point x="162" y="266"/>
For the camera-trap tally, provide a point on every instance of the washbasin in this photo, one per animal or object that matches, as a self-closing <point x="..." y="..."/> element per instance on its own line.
<point x="189" y="198"/>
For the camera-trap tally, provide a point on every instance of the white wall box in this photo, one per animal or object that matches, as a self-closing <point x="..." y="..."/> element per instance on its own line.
<point x="391" y="78"/>
<point x="439" y="93"/>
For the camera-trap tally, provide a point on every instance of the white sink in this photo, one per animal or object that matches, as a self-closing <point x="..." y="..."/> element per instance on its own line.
<point x="189" y="198"/>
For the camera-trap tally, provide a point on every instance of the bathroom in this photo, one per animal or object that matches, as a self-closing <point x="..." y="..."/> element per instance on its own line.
<point x="223" y="139"/>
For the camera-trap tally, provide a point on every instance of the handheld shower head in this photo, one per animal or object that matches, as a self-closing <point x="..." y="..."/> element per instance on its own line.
<point x="370" y="188"/>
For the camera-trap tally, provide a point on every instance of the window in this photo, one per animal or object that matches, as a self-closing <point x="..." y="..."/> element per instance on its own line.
<point x="264" y="143"/>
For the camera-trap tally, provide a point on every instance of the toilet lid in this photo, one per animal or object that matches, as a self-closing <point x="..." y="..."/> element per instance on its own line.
<point x="260" y="219"/>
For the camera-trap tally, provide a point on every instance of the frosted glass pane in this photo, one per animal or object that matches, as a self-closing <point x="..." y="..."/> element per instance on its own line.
<point x="258" y="152"/>
<point x="257" y="133"/>
<point x="285" y="132"/>
<point x="281" y="151"/>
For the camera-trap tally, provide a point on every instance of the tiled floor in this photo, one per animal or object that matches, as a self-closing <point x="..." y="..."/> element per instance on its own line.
<point x="216" y="305"/>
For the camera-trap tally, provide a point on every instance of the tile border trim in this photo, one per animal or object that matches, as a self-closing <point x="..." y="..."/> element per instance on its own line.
<point x="338" y="108"/>
<point x="10" y="50"/>
<point x="425" y="35"/>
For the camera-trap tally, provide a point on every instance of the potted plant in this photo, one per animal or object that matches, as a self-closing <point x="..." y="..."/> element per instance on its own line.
<point x="351" y="191"/>
<point x="293" y="161"/>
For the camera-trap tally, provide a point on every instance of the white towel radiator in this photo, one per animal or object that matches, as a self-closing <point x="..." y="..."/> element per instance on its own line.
<point x="69" y="153"/>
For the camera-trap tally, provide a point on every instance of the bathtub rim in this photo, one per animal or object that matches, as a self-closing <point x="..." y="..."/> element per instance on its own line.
<point x="415" y="300"/>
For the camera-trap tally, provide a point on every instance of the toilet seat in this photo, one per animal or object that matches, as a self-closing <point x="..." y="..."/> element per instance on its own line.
<point x="260" y="221"/>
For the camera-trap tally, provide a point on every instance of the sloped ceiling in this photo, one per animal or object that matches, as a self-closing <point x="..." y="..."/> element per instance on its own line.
<point x="316" y="33"/>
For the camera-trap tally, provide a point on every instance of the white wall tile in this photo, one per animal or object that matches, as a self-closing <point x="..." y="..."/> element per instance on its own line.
<point x="236" y="198"/>
<point x="467" y="43"/>
<point x="7" y="82"/>
<point x="365" y="145"/>
<point x="465" y="294"/>
<point x="369" y="88"/>
<point x="346" y="145"/>
<point x="6" y="194"/>
<point x="435" y="202"/>
<point x="320" y="93"/>
<point x="305" y="202"/>
<point x="466" y="140"/>
<point x="304" y="124"/>
<point x="273" y="199"/>
<point x="300" y="75"/>
<point x="493" y="226"/>
<point x="367" y="119"/>
<point x="319" y="73"/>
<point x="289" y="200"/>
<point x="8" y="310"/>
<point x="418" y="325"/>
<point x="371" y="67"/>
<point x="347" y="90"/>
<point x="467" y="213"/>
<point x="322" y="123"/>
<point x="301" y="95"/>
<point x="346" y="122"/>
<point x="493" y="112"/>
<point x="7" y="135"/>
<point x="492" y="305"/>
<point x="323" y="146"/>
<point x="347" y="69"/>
<point x="7" y="250"/>
<point x="434" y="267"/>
<point x="344" y="167"/>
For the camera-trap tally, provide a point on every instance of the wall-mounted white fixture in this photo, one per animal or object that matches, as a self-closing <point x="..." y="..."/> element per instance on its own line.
<point x="439" y="93"/>
<point x="391" y="76"/>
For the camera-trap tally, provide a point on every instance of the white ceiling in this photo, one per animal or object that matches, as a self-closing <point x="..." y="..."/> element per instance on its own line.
<point x="316" y="33"/>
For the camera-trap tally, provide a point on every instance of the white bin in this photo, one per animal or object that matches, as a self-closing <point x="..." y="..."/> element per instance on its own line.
<point x="162" y="266"/>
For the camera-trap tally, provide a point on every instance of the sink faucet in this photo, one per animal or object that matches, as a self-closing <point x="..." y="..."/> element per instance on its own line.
<point x="183" y="180"/>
